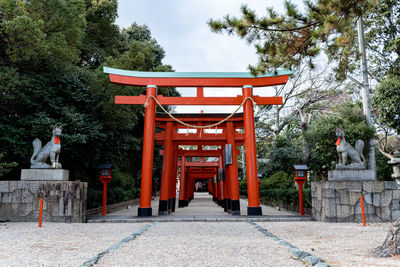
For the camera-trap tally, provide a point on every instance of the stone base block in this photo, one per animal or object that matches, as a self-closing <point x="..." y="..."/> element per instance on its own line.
<point x="44" y="175"/>
<point x="64" y="201"/>
<point x="351" y="175"/>
<point x="339" y="201"/>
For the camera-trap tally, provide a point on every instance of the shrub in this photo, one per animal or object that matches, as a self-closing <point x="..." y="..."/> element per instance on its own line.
<point x="279" y="180"/>
<point x="286" y="198"/>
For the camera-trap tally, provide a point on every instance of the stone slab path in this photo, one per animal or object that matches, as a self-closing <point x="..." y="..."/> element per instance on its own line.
<point x="201" y="208"/>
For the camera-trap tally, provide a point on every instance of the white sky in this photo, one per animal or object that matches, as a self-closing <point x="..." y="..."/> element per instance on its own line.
<point x="180" y="27"/>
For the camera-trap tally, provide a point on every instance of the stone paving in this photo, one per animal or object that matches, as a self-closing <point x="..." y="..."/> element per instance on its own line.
<point x="201" y="208"/>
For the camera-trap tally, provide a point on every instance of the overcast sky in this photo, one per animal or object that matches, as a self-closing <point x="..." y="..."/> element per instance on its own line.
<point x="180" y="27"/>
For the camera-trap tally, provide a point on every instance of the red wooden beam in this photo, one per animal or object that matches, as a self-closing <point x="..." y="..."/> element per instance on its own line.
<point x="141" y="99"/>
<point x="196" y="137"/>
<point x="200" y="142"/>
<point x="200" y="153"/>
<point x="201" y="175"/>
<point x="200" y="164"/>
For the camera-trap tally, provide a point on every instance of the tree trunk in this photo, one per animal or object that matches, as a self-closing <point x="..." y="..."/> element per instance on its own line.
<point x="304" y="128"/>
<point x="391" y="245"/>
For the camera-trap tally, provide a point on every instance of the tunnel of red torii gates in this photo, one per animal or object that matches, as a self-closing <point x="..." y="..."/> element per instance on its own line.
<point x="179" y="130"/>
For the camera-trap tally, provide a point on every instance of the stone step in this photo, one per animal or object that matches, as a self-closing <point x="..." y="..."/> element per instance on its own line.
<point x="197" y="218"/>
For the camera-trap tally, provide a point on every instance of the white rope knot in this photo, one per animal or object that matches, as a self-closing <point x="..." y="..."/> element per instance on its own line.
<point x="198" y="126"/>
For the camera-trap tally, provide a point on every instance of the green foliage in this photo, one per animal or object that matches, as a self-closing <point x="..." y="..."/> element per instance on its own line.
<point x="386" y="101"/>
<point x="279" y="180"/>
<point x="51" y="58"/>
<point x="101" y="34"/>
<point x="383" y="39"/>
<point x="383" y="169"/>
<point x="6" y="167"/>
<point x="287" y="198"/>
<point x="282" y="157"/>
<point x="38" y="33"/>
<point x="285" y="40"/>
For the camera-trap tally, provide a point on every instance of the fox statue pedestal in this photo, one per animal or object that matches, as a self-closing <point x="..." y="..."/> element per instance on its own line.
<point x="44" y="175"/>
<point x="351" y="175"/>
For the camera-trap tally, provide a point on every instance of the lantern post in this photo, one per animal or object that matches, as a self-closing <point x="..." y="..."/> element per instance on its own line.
<point x="300" y="176"/>
<point x="105" y="178"/>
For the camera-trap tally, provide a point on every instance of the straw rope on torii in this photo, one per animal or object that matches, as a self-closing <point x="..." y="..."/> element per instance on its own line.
<point x="198" y="126"/>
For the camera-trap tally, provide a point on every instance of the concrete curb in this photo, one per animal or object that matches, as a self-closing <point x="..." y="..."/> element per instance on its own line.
<point x="295" y="253"/>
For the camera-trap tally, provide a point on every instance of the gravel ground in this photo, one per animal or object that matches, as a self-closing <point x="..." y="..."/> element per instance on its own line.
<point x="338" y="244"/>
<point x="57" y="244"/>
<point x="190" y="244"/>
<point x="200" y="244"/>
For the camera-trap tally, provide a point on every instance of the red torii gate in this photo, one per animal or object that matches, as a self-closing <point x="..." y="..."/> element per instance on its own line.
<point x="189" y="79"/>
<point x="170" y="138"/>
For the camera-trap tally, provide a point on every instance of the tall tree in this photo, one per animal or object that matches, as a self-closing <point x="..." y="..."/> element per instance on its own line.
<point x="102" y="35"/>
<point x="290" y="39"/>
<point x="51" y="58"/>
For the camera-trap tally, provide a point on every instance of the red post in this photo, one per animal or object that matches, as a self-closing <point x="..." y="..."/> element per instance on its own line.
<point x="40" y="212"/>
<point x="148" y="154"/>
<point x="215" y="189"/>
<point x="300" y="182"/>
<point x="251" y="154"/>
<point x="167" y="171"/>
<point x="103" y="211"/>
<point x="183" y="180"/>
<point x="362" y="209"/>
<point x="172" y="179"/>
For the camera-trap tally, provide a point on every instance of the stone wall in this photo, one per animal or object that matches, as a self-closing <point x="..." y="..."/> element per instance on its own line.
<point x="64" y="201"/>
<point x="339" y="201"/>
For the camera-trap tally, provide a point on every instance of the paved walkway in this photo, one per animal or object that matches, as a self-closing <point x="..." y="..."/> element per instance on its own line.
<point x="201" y="208"/>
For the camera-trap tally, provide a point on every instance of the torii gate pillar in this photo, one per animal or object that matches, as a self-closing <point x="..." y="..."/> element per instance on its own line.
<point x="148" y="154"/>
<point x="251" y="154"/>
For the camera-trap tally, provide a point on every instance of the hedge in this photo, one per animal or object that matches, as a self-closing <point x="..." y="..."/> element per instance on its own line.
<point x="286" y="198"/>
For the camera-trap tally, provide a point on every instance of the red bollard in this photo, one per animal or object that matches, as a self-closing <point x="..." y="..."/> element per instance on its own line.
<point x="103" y="211"/>
<point x="300" y="182"/>
<point x="40" y="212"/>
<point x="362" y="210"/>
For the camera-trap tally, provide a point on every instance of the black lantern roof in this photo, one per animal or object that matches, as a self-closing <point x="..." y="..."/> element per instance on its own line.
<point x="104" y="166"/>
<point x="300" y="167"/>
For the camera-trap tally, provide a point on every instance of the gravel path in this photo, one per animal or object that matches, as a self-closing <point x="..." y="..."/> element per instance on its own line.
<point x="190" y="244"/>
<point x="338" y="244"/>
<point x="200" y="244"/>
<point x="57" y="244"/>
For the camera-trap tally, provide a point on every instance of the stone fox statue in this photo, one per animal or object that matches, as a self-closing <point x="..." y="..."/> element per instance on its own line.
<point x="345" y="150"/>
<point x="52" y="149"/>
